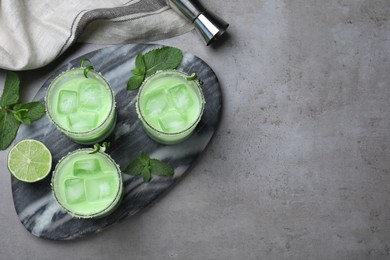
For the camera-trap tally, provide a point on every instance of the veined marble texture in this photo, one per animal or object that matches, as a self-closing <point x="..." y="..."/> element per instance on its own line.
<point x="34" y="203"/>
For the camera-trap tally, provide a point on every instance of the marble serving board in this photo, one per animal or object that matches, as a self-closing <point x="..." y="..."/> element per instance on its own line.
<point x="34" y="203"/>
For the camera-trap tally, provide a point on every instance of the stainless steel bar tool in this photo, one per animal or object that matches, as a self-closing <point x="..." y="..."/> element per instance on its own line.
<point x="209" y="25"/>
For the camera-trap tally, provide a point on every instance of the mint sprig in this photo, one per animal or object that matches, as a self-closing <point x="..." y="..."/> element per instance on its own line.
<point x="146" y="166"/>
<point x="12" y="113"/>
<point x="164" y="58"/>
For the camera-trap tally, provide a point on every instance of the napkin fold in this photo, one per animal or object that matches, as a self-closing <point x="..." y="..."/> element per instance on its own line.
<point x="35" y="32"/>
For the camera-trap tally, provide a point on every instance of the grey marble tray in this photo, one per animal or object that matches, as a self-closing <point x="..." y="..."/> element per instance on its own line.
<point x="34" y="203"/>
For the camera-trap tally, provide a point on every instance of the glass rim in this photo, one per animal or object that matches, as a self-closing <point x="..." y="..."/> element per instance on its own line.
<point x="76" y="133"/>
<point x="198" y="88"/>
<point x="112" y="203"/>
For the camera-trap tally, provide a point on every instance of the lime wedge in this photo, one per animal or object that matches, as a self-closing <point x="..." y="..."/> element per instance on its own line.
<point x="29" y="161"/>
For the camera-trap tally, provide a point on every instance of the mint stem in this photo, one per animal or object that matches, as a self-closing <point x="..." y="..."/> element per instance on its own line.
<point x="20" y="110"/>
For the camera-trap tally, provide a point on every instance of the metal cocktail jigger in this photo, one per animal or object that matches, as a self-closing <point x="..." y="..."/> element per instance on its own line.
<point x="210" y="26"/>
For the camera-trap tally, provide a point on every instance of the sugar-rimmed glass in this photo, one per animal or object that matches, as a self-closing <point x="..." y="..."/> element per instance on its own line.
<point x="82" y="108"/>
<point x="170" y="104"/>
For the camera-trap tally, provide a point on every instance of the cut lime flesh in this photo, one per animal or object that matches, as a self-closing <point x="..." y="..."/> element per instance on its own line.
<point x="29" y="161"/>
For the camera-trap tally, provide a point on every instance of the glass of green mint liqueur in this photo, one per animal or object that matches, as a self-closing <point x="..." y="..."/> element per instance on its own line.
<point x="83" y="108"/>
<point x="87" y="185"/>
<point x="170" y="104"/>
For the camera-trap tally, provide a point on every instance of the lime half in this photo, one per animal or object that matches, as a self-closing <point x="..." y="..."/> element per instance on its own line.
<point x="29" y="161"/>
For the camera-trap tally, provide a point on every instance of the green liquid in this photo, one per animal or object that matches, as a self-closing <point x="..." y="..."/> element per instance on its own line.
<point x="170" y="106"/>
<point x="87" y="185"/>
<point x="82" y="108"/>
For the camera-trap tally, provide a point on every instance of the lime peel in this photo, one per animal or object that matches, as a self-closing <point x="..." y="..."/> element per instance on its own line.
<point x="193" y="76"/>
<point x="100" y="148"/>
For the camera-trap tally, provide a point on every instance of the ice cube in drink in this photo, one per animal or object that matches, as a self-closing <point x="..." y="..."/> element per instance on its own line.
<point x="74" y="191"/>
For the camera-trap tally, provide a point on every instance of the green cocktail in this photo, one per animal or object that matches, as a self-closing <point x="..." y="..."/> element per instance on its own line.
<point x="170" y="104"/>
<point x="87" y="185"/>
<point x="82" y="108"/>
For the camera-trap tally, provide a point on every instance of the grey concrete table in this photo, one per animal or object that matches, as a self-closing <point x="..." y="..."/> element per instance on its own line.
<point x="300" y="165"/>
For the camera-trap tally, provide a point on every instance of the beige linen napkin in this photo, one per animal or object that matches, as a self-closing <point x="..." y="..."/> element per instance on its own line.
<point x="35" y="32"/>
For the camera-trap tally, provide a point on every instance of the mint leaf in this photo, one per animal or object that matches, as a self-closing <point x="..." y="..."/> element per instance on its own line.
<point x="145" y="159"/>
<point x="146" y="166"/>
<point x="160" y="168"/>
<point x="140" y="64"/>
<point x="162" y="59"/>
<point x="11" y="90"/>
<point x="18" y="116"/>
<point x="8" y="128"/>
<point x="30" y="112"/>
<point x="146" y="174"/>
<point x="21" y="119"/>
<point x="135" y="82"/>
<point x="135" y="167"/>
<point x="137" y="72"/>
